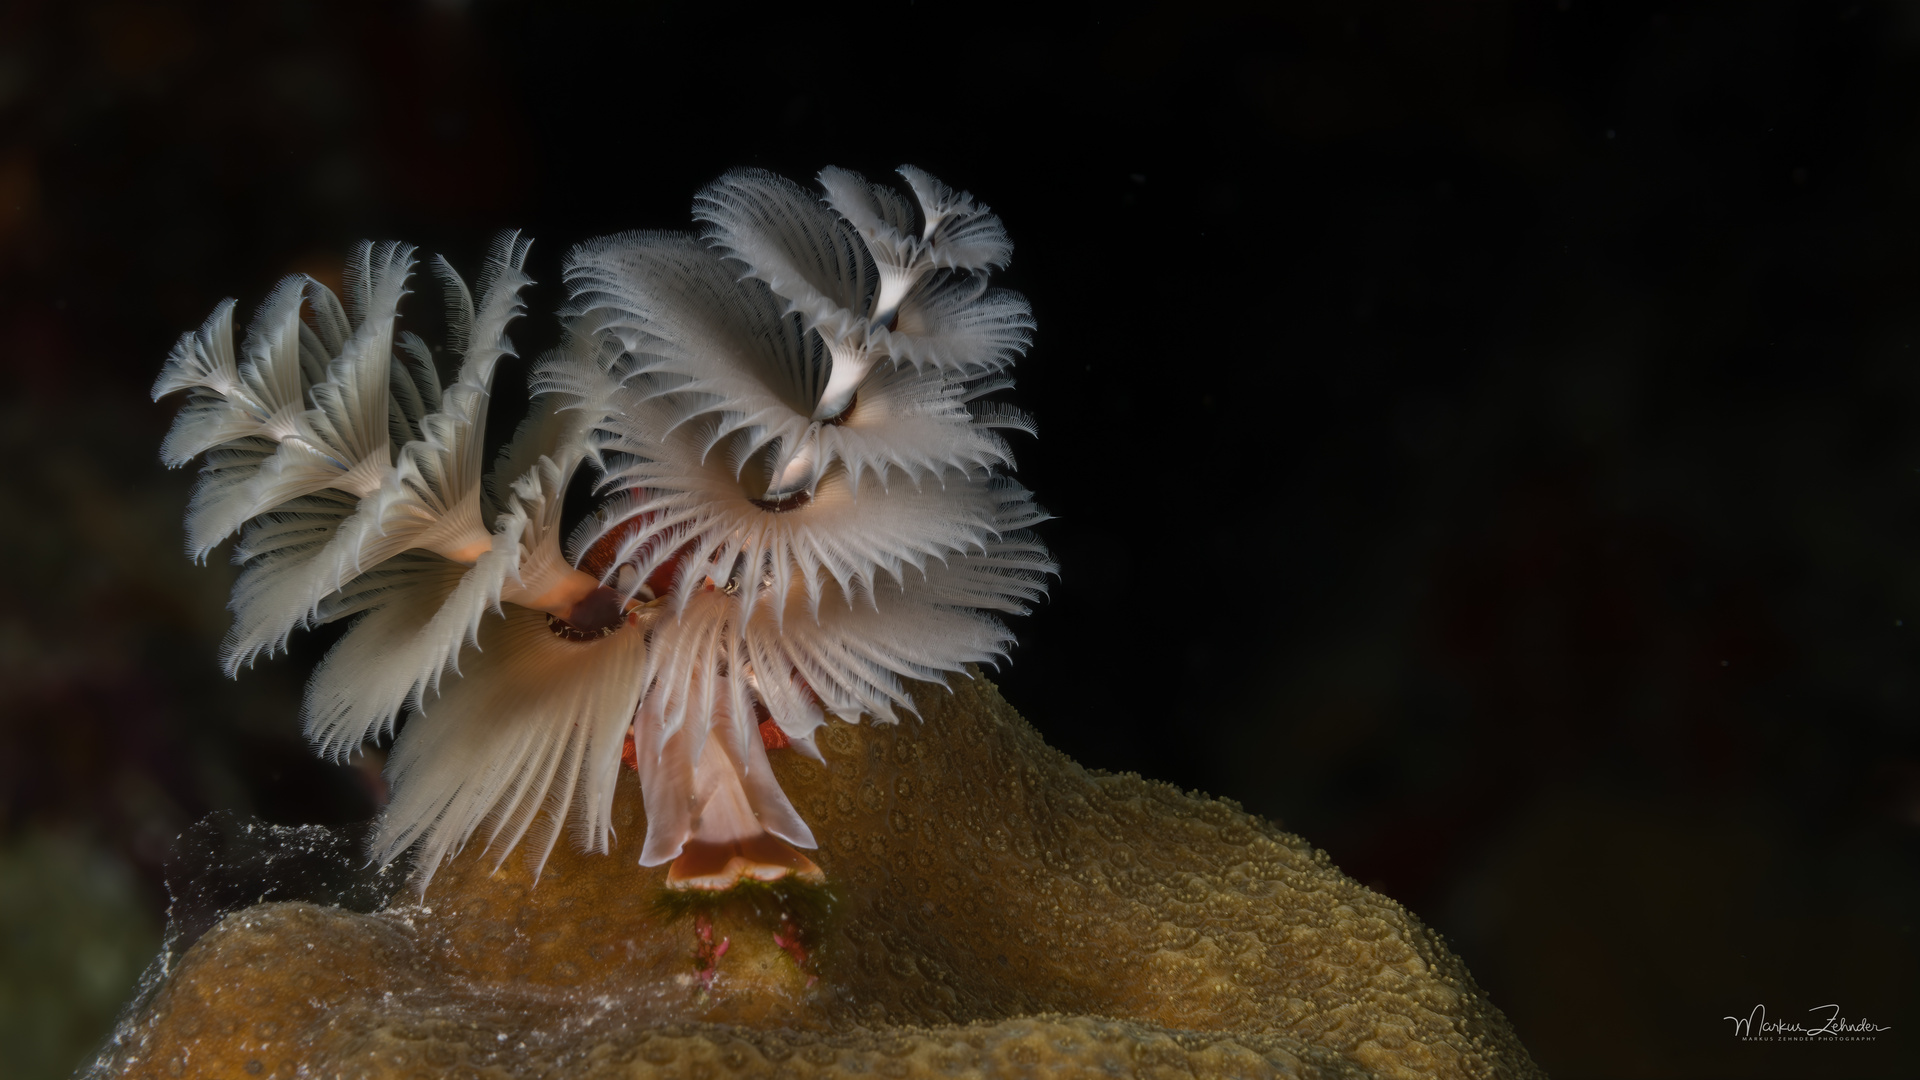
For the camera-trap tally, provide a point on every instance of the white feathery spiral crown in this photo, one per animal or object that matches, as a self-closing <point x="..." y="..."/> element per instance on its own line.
<point x="802" y="504"/>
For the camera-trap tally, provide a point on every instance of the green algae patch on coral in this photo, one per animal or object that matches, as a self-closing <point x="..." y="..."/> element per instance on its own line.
<point x="991" y="908"/>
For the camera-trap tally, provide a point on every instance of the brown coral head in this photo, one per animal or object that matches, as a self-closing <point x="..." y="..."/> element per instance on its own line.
<point x="996" y="911"/>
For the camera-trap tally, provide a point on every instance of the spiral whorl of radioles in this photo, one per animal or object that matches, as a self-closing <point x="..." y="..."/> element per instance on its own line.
<point x="802" y="502"/>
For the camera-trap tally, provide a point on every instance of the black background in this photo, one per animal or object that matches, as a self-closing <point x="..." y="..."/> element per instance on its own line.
<point x="1482" y="434"/>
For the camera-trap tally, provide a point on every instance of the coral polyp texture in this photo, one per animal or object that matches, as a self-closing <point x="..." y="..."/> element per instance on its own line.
<point x="801" y="500"/>
<point x="994" y="910"/>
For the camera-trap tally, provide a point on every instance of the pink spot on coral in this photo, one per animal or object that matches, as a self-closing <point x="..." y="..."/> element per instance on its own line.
<point x="788" y="938"/>
<point x="706" y="956"/>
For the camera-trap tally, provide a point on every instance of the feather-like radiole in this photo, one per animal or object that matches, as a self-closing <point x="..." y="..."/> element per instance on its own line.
<point x="804" y="506"/>
<point x="391" y="525"/>
<point x="806" y="475"/>
<point x="726" y="348"/>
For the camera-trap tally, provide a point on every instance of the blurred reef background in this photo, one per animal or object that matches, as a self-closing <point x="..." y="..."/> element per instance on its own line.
<point x="1485" y="435"/>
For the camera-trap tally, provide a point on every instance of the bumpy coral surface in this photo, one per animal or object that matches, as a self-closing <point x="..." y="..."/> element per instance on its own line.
<point x="992" y="908"/>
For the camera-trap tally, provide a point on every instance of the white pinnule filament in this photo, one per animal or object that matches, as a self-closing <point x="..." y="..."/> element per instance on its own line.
<point x="852" y="361"/>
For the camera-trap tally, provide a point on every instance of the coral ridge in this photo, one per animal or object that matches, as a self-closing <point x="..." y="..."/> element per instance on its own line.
<point x="993" y="908"/>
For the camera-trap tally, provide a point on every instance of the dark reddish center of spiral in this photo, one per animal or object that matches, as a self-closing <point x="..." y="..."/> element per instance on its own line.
<point x="785" y="503"/>
<point x="599" y="614"/>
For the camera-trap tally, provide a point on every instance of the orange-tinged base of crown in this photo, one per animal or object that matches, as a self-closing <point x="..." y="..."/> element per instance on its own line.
<point x="704" y="864"/>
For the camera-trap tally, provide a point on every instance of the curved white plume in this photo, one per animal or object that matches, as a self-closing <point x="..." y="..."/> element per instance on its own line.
<point x="782" y="236"/>
<point x="726" y="349"/>
<point x="802" y="507"/>
<point x="530" y="735"/>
